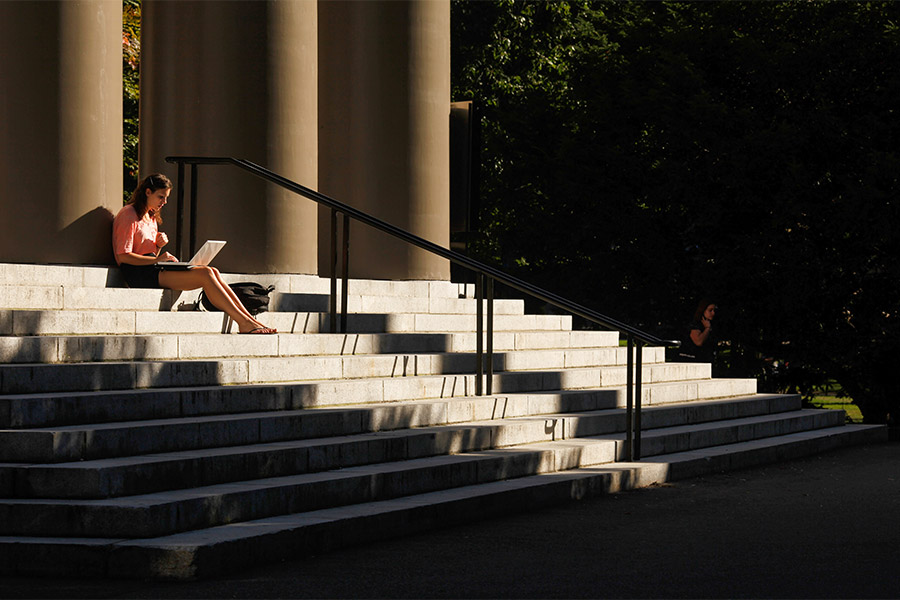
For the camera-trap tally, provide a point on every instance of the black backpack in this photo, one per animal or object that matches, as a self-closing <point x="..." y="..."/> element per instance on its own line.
<point x="253" y="296"/>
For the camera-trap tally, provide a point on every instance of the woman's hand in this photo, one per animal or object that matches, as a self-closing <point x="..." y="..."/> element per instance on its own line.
<point x="166" y="257"/>
<point x="161" y="239"/>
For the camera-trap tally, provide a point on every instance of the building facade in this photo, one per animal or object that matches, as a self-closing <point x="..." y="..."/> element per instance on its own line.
<point x="348" y="98"/>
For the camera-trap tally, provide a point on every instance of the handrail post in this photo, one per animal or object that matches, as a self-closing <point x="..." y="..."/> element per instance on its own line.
<point x="345" y="267"/>
<point x="332" y="301"/>
<point x="629" y="400"/>
<point x="637" y="399"/>
<point x="479" y="349"/>
<point x="179" y="211"/>
<point x="193" y="227"/>
<point x="490" y="336"/>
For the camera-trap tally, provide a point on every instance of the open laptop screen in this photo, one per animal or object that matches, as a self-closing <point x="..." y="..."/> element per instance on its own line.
<point x="204" y="256"/>
<point x="207" y="252"/>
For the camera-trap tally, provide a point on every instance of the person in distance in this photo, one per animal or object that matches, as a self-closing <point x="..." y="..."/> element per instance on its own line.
<point x="700" y="345"/>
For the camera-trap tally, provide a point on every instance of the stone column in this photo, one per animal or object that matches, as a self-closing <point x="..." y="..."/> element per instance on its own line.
<point x="384" y="110"/>
<point x="60" y="130"/>
<point x="224" y="78"/>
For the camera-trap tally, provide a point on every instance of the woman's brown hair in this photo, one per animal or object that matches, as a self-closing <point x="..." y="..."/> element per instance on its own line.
<point x="154" y="182"/>
<point x="701" y="308"/>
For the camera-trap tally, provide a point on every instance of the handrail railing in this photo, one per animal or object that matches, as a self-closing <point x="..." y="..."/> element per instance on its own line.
<point x="484" y="281"/>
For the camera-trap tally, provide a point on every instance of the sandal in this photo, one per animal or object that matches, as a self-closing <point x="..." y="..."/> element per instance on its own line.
<point x="259" y="330"/>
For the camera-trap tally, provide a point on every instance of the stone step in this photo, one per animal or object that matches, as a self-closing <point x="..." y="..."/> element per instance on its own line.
<point x="238" y="545"/>
<point x="38" y="378"/>
<point x="67" y="275"/>
<point x="292" y="302"/>
<point x="73" y="377"/>
<point x="137" y="322"/>
<point x="86" y="348"/>
<point x="39" y="410"/>
<point x="312" y="284"/>
<point x="103" y="440"/>
<point x="182" y="556"/>
<point x="96" y="441"/>
<point x="684" y="438"/>
<point x="59" y="297"/>
<point x="128" y="475"/>
<point x="164" y="513"/>
<point x="125" y="416"/>
<point x="161" y="513"/>
<point x="74" y="276"/>
<point x="296" y="464"/>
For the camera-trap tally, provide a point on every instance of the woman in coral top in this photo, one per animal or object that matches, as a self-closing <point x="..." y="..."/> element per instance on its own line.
<point x="138" y="243"/>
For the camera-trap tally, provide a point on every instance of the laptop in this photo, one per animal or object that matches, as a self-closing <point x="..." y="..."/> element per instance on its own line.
<point x="204" y="256"/>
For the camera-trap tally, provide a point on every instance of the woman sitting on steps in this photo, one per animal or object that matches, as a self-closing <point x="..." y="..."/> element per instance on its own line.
<point x="137" y="246"/>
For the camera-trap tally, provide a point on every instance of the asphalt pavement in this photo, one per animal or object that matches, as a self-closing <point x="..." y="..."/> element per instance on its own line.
<point x="826" y="526"/>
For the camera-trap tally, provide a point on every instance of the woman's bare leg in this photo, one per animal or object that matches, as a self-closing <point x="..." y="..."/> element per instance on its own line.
<point x="234" y="297"/>
<point x="215" y="290"/>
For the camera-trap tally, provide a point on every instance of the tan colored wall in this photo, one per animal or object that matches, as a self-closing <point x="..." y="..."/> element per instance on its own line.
<point x="236" y="79"/>
<point x="384" y="106"/>
<point x="60" y="130"/>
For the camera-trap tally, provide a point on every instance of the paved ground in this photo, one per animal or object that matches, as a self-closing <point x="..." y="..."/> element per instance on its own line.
<point x="822" y="527"/>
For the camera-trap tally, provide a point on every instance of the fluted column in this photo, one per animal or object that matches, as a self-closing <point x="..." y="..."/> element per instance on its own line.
<point x="60" y="130"/>
<point x="237" y="79"/>
<point x="384" y="106"/>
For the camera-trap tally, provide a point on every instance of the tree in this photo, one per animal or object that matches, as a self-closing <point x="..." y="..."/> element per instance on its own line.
<point x="131" y="60"/>
<point x="638" y="155"/>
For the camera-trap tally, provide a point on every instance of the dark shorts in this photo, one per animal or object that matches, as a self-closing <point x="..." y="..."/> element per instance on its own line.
<point x="140" y="276"/>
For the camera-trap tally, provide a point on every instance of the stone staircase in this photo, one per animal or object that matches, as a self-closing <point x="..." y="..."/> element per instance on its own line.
<point x="139" y="439"/>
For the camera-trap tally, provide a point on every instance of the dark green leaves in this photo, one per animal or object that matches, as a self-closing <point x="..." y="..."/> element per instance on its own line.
<point x="637" y="155"/>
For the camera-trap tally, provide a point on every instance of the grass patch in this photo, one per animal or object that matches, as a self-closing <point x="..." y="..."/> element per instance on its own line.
<point x="846" y="404"/>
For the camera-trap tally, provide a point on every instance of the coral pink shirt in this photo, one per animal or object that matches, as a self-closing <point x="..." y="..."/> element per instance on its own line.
<point x="131" y="234"/>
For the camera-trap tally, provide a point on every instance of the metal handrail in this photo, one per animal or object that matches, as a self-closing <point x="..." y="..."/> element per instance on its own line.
<point x="483" y="272"/>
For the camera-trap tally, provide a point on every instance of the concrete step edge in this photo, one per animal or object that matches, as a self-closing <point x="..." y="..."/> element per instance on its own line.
<point x="76" y="442"/>
<point x="106" y="440"/>
<point x="65" y="322"/>
<point x="709" y="434"/>
<point x="68" y="297"/>
<point x="691" y="463"/>
<point x="34" y="410"/>
<point x="25" y="378"/>
<point x="229" y="548"/>
<point x="163" y="471"/>
<point x="109" y="276"/>
<point x="504" y="359"/>
<point x="184" y="469"/>
<point x="53" y="349"/>
<point x="164" y="512"/>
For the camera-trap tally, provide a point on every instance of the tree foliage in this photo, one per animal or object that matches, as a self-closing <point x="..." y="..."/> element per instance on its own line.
<point x="131" y="60"/>
<point x="639" y="155"/>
